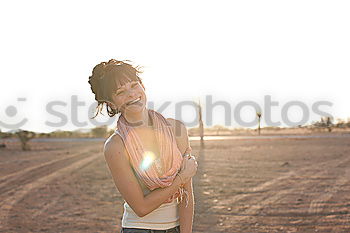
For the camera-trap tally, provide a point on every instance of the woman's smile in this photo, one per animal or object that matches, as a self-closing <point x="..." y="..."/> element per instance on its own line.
<point x="134" y="101"/>
<point x="130" y="96"/>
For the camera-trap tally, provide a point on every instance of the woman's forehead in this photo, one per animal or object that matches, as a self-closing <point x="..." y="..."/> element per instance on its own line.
<point x="121" y="83"/>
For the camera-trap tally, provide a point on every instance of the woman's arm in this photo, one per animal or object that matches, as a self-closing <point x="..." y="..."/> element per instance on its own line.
<point x="127" y="184"/>
<point x="185" y="213"/>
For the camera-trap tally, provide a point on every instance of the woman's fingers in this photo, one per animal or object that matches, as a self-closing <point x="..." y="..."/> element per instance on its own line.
<point x="188" y="150"/>
<point x="191" y="157"/>
<point x="183" y="164"/>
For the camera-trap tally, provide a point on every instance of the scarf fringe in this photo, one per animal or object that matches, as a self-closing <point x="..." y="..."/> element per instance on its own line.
<point x="183" y="193"/>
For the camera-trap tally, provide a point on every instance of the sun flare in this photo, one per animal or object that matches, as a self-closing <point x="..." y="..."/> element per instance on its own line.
<point x="148" y="158"/>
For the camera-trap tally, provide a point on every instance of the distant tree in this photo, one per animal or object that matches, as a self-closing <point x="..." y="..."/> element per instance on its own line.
<point x="99" y="131"/>
<point x="24" y="136"/>
<point x="325" y="123"/>
<point x="2" y="144"/>
<point x="4" y="135"/>
<point x="219" y="128"/>
<point x="61" y="134"/>
<point x="348" y="123"/>
<point x="329" y="124"/>
<point x="41" y="135"/>
<point x="340" y="123"/>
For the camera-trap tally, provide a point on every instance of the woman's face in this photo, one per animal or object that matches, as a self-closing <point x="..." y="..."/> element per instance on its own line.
<point x="130" y="97"/>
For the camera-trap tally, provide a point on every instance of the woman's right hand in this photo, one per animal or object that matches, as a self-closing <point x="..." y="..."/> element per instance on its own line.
<point x="188" y="168"/>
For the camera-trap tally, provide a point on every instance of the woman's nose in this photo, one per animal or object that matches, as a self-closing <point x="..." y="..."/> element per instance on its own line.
<point x="131" y="93"/>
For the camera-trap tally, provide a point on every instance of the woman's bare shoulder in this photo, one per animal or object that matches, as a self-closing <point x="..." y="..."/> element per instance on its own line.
<point x="176" y="123"/>
<point x="178" y="127"/>
<point x="113" y="145"/>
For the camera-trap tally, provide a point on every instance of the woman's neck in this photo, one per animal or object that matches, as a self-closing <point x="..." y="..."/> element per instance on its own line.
<point x="138" y="120"/>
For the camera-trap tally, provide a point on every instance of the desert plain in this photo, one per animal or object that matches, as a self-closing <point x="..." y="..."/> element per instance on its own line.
<point x="256" y="184"/>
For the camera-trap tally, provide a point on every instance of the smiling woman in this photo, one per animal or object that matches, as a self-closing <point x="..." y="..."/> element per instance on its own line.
<point x="150" y="165"/>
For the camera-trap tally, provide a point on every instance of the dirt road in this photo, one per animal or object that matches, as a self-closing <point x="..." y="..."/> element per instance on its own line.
<point x="249" y="185"/>
<point x="299" y="185"/>
<point x="15" y="186"/>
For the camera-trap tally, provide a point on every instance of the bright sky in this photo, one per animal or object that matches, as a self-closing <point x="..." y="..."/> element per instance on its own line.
<point x="233" y="50"/>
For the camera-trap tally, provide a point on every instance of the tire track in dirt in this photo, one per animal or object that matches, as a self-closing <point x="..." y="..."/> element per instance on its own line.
<point x="7" y="178"/>
<point x="317" y="205"/>
<point x="339" y="181"/>
<point x="271" y="195"/>
<point x="8" y="202"/>
<point x="46" y="207"/>
<point x="27" y="175"/>
<point x="38" y="154"/>
<point x="262" y="187"/>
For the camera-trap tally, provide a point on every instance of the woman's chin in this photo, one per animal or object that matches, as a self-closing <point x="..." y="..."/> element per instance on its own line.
<point x="134" y="108"/>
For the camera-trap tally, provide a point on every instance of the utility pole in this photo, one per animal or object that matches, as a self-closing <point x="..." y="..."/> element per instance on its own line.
<point x="201" y="127"/>
<point x="258" y="114"/>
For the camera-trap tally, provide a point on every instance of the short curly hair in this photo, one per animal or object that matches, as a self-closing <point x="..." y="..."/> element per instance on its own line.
<point x="107" y="77"/>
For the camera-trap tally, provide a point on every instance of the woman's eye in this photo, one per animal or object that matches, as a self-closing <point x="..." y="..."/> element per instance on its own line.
<point x="120" y="92"/>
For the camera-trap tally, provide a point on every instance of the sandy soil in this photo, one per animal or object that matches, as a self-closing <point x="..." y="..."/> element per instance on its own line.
<point x="249" y="185"/>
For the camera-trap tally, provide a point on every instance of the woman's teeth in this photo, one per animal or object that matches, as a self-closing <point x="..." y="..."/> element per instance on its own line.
<point x="134" y="101"/>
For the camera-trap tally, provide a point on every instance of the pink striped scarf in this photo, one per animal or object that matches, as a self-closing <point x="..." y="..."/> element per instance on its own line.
<point x="154" y="172"/>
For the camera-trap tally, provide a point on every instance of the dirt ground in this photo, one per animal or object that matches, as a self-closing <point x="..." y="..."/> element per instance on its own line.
<point x="248" y="185"/>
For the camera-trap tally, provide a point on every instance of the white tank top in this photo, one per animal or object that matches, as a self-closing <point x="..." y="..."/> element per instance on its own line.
<point x="164" y="217"/>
